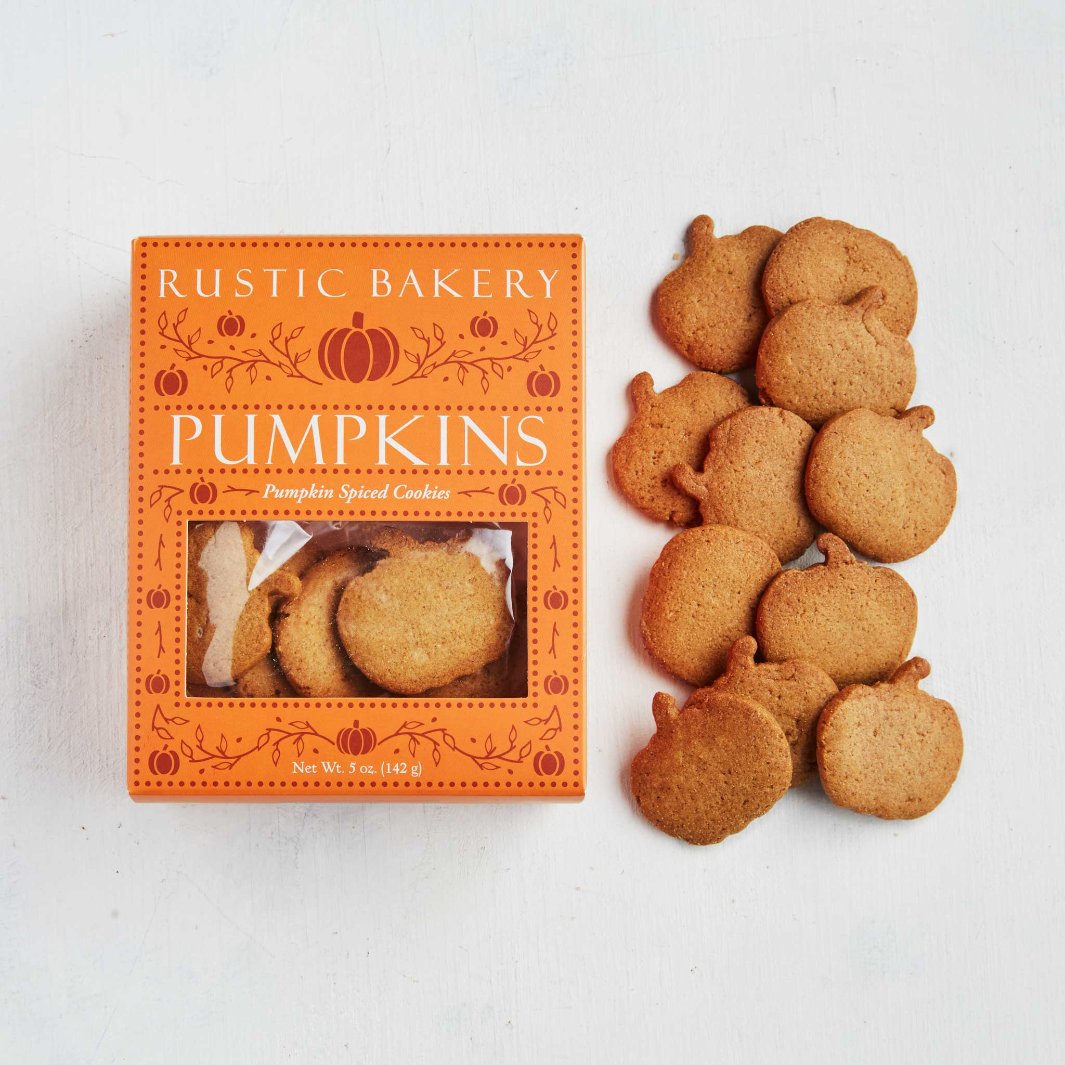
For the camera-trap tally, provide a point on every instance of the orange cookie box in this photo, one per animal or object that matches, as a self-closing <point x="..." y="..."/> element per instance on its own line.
<point x="386" y="398"/>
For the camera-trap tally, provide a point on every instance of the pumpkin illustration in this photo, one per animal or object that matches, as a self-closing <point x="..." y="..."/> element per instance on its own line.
<point x="356" y="740"/>
<point x="358" y="353"/>
<point x="230" y="325"/>
<point x="543" y="384"/>
<point x="156" y="684"/>
<point x="157" y="598"/>
<point x="164" y="763"/>
<point x="555" y="685"/>
<point x="484" y="326"/>
<point x="172" y="382"/>
<point x="556" y="599"/>
<point x="548" y="763"/>
<point x="512" y="495"/>
<point x="203" y="493"/>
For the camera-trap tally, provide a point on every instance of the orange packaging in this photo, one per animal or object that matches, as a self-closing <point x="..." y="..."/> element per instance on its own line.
<point x="356" y="556"/>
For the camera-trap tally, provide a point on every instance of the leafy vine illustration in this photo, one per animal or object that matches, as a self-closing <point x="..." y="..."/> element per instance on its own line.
<point x="220" y="756"/>
<point x="433" y="353"/>
<point x="165" y="494"/>
<point x="549" y="495"/>
<point x="494" y="756"/>
<point x="281" y="353"/>
<point x="551" y="650"/>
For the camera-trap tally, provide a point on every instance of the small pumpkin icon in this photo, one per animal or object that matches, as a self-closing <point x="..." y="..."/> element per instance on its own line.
<point x="157" y="684"/>
<point x="230" y="325"/>
<point x="172" y="382"/>
<point x="356" y="740"/>
<point x="157" y="598"/>
<point x="483" y="326"/>
<point x="555" y="599"/>
<point x="548" y="763"/>
<point x="555" y="685"/>
<point x="164" y="763"/>
<point x="512" y="494"/>
<point x="358" y="352"/>
<point x="543" y="384"/>
<point x="203" y="493"/>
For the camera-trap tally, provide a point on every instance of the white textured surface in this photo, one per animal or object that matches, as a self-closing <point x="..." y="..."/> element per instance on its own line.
<point x="534" y="933"/>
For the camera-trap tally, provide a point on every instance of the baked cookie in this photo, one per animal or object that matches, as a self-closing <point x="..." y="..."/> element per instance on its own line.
<point x="264" y="681"/>
<point x="879" y="484"/>
<point x="710" y="308"/>
<point x="701" y="597"/>
<point x="668" y="428"/>
<point x="306" y="633"/>
<point x="890" y="750"/>
<point x="711" y="768"/>
<point x="821" y="359"/>
<point x="854" y="620"/>
<point x="425" y="615"/>
<point x="752" y="478"/>
<point x="227" y="625"/>
<point x="834" y="261"/>
<point x="794" y="692"/>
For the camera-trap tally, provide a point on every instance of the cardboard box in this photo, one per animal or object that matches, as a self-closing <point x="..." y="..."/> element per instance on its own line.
<point x="356" y="467"/>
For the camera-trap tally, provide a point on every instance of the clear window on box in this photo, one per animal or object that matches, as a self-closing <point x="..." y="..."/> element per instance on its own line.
<point x="356" y="609"/>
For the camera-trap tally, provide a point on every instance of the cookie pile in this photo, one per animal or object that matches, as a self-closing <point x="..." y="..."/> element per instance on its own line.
<point x="380" y="613"/>
<point x="798" y="672"/>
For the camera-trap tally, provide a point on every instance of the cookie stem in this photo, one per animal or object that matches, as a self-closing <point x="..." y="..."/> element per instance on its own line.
<point x="919" y="418"/>
<point x="700" y="234"/>
<point x="689" y="482"/>
<point x="836" y="552"/>
<point x="868" y="300"/>
<point x="665" y="711"/>
<point x="911" y="673"/>
<point x="642" y="390"/>
<point x="741" y="654"/>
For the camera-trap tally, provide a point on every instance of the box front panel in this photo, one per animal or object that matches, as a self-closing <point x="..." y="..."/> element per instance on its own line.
<point x="407" y="401"/>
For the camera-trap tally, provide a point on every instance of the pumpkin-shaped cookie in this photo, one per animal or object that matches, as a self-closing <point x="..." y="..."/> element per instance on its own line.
<point x="710" y="308"/>
<point x="752" y="478"/>
<point x="794" y="692"/>
<point x="668" y="428"/>
<point x="711" y="768"/>
<point x="426" y="614"/>
<point x="821" y="359"/>
<point x="890" y="750"/>
<point x="835" y="261"/>
<point x="701" y="597"/>
<point x="854" y="620"/>
<point x="879" y="484"/>
<point x="228" y="621"/>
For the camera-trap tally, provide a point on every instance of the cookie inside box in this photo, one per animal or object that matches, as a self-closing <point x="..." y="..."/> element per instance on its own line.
<point x="356" y="609"/>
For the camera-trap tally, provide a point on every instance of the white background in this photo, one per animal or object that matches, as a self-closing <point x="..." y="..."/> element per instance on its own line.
<point x="534" y="933"/>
